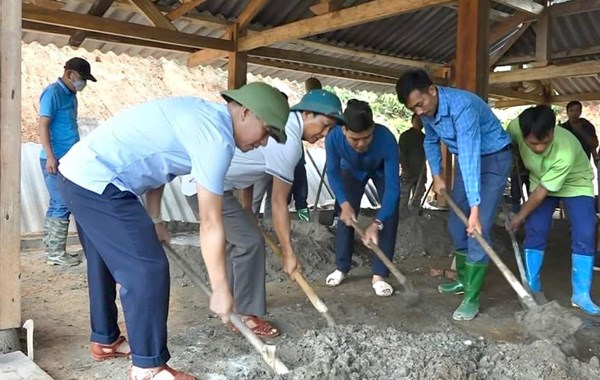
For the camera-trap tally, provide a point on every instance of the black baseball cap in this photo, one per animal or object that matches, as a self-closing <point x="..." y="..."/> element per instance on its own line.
<point x="82" y="67"/>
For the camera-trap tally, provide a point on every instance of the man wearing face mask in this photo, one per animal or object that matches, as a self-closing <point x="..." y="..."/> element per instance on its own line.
<point x="310" y="120"/>
<point x="359" y="151"/>
<point x="58" y="133"/>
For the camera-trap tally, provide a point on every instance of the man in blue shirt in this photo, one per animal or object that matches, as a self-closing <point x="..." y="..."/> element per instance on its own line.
<point x="133" y="154"/>
<point x="58" y="133"/>
<point x="359" y="151"/>
<point x="471" y="131"/>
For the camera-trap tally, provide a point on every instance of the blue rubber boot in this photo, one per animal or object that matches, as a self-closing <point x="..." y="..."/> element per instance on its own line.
<point x="533" y="266"/>
<point x="581" y="279"/>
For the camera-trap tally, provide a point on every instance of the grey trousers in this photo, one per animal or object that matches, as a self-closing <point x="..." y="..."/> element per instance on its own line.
<point x="262" y="187"/>
<point x="408" y="186"/>
<point x="245" y="256"/>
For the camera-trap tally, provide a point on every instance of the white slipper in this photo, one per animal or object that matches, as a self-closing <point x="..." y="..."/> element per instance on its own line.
<point x="335" y="278"/>
<point x="382" y="288"/>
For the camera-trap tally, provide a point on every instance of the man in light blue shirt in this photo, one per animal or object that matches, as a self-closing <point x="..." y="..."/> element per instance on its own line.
<point x="135" y="153"/>
<point x="471" y="131"/>
<point x="58" y="133"/>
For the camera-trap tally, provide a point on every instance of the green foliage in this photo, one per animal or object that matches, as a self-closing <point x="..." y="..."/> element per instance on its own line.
<point x="387" y="110"/>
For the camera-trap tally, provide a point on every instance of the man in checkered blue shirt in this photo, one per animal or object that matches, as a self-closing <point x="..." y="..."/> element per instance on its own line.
<point x="467" y="126"/>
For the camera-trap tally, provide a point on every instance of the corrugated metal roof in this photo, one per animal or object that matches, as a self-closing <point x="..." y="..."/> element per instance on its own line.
<point x="577" y="31"/>
<point x="427" y="35"/>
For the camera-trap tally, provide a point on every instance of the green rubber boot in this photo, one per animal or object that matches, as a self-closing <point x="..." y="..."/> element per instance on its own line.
<point x="456" y="287"/>
<point x="303" y="214"/>
<point x="474" y="277"/>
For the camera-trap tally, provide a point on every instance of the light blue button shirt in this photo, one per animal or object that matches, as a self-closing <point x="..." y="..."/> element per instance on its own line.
<point x="147" y="146"/>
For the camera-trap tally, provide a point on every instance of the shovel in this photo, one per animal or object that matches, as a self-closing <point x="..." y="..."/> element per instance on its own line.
<point x="308" y="290"/>
<point x="540" y="297"/>
<point x="267" y="351"/>
<point x="410" y="295"/>
<point x="548" y="321"/>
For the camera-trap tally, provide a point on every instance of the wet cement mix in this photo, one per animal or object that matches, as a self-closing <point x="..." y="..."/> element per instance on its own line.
<point x="370" y="352"/>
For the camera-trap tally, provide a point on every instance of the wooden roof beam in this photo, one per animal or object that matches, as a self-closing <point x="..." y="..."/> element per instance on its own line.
<point x="324" y="71"/>
<point x="345" y="18"/>
<point x="495" y="57"/>
<point x="501" y="29"/>
<point x="99" y="8"/>
<point x="102" y="37"/>
<point x="507" y="103"/>
<point x="49" y="4"/>
<point x="547" y="72"/>
<point x="122" y="29"/>
<point x="543" y="34"/>
<point x="183" y="9"/>
<point x="528" y="6"/>
<point x="321" y="61"/>
<point x="249" y="12"/>
<point x="565" y="54"/>
<point x="326" y="6"/>
<point x="582" y="97"/>
<point x="514" y="94"/>
<point x="154" y="15"/>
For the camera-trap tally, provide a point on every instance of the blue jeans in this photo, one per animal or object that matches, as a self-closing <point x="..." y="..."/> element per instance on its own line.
<point x="344" y="237"/>
<point x="583" y="224"/>
<point x="495" y="169"/>
<point x="57" y="208"/>
<point x="121" y="246"/>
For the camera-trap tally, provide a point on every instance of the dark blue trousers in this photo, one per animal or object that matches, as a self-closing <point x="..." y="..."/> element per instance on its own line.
<point x="121" y="246"/>
<point x="495" y="169"/>
<point x="344" y="238"/>
<point x="580" y="211"/>
<point x="299" y="187"/>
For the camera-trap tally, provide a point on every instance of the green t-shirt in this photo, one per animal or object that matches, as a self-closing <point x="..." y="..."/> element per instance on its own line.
<point x="563" y="168"/>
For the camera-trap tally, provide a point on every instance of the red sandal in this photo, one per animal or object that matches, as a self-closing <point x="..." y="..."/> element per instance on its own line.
<point x="177" y="375"/>
<point x="101" y="352"/>
<point x="261" y="328"/>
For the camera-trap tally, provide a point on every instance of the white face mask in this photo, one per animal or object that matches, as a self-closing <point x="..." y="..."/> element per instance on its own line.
<point x="79" y="84"/>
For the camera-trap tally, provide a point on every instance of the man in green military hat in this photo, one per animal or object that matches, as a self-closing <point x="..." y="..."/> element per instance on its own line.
<point x="310" y="120"/>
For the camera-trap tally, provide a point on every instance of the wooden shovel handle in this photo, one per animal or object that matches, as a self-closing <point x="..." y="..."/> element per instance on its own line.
<point x="510" y="277"/>
<point x="299" y="278"/>
<point x="379" y="253"/>
<point x="266" y="351"/>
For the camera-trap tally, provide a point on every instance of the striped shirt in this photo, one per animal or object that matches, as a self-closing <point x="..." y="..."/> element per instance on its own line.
<point x="469" y="128"/>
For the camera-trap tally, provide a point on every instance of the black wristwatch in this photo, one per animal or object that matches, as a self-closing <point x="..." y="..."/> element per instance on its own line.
<point x="379" y="224"/>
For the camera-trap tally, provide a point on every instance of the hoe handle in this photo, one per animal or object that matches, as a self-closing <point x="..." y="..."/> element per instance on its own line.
<point x="508" y="275"/>
<point x="306" y="288"/>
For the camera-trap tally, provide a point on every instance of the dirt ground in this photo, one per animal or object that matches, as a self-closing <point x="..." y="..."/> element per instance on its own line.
<point x="376" y="338"/>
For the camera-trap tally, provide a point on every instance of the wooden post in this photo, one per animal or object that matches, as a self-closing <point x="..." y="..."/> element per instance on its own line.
<point x="472" y="52"/>
<point x="10" y="164"/>
<point x="472" y="57"/>
<point x="237" y="67"/>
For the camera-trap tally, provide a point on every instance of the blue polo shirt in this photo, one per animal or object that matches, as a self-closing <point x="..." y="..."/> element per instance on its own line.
<point x="379" y="161"/>
<point x="146" y="146"/>
<point x="469" y="128"/>
<point x="59" y="104"/>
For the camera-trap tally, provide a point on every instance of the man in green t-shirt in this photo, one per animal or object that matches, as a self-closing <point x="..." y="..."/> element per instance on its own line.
<point x="559" y="170"/>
